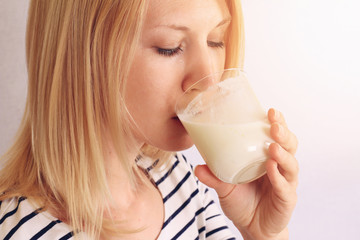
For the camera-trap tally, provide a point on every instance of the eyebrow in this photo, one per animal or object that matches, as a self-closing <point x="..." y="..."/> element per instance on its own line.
<point x="184" y="28"/>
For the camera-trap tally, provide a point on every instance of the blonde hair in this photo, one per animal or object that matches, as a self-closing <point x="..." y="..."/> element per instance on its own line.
<point x="78" y="57"/>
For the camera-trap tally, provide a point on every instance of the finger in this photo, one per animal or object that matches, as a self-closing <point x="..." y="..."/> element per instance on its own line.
<point x="281" y="134"/>
<point x="204" y="174"/>
<point x="289" y="167"/>
<point x="282" y="188"/>
<point x="276" y="116"/>
<point x="276" y="179"/>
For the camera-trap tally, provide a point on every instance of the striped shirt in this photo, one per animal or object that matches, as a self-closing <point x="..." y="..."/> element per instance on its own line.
<point x="190" y="211"/>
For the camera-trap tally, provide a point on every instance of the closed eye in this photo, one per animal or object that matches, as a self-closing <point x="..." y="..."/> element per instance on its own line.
<point x="168" y="52"/>
<point x="216" y="44"/>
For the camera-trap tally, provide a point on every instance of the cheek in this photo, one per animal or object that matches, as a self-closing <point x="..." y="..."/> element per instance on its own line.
<point x="153" y="86"/>
<point x="150" y="97"/>
<point x="220" y="55"/>
<point x="157" y="80"/>
<point x="149" y="80"/>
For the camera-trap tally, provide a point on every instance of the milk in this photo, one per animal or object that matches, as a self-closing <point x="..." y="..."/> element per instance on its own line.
<point x="228" y="126"/>
<point x="235" y="153"/>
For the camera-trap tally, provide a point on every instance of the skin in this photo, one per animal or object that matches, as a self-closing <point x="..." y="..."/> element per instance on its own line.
<point x="181" y="42"/>
<point x="189" y="30"/>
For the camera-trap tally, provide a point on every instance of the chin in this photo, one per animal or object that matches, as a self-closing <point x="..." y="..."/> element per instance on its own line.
<point x="173" y="138"/>
<point x="177" y="141"/>
<point x="177" y="144"/>
<point x="183" y="146"/>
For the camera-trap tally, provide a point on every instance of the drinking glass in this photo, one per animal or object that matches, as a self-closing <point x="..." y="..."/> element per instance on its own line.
<point x="227" y="124"/>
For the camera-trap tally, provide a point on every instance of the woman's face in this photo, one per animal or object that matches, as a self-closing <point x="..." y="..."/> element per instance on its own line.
<point x="182" y="41"/>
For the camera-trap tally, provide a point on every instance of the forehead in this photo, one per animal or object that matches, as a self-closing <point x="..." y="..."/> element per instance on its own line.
<point x="188" y="12"/>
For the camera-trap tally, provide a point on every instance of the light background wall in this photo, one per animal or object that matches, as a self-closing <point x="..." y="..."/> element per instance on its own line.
<point x="302" y="57"/>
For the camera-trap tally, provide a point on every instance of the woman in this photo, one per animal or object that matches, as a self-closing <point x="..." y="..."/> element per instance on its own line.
<point x="93" y="155"/>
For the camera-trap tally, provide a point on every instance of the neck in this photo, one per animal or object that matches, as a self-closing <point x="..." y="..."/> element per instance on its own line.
<point x="122" y="190"/>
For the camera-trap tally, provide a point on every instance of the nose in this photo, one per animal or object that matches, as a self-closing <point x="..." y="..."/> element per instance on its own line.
<point x="202" y="65"/>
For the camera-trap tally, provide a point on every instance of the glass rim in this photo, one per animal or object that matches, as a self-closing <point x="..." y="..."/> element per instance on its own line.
<point x="240" y="70"/>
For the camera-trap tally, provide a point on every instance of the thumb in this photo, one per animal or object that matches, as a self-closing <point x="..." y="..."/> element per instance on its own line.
<point x="203" y="173"/>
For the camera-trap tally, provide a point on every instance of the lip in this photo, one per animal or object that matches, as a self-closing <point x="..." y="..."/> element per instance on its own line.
<point x="177" y="120"/>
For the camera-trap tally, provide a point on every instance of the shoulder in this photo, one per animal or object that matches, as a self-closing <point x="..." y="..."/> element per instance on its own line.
<point x="22" y="219"/>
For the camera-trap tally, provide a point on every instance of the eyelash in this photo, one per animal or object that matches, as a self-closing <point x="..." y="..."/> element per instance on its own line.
<point x="169" y="52"/>
<point x="216" y="44"/>
<point x="173" y="51"/>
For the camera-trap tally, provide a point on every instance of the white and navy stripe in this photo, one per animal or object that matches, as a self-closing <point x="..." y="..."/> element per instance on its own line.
<point x="20" y="219"/>
<point x="190" y="211"/>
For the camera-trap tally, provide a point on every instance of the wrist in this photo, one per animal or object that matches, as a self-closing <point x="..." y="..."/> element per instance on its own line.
<point x="283" y="235"/>
<point x="245" y="234"/>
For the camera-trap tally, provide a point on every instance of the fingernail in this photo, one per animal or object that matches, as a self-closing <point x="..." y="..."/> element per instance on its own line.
<point x="276" y="115"/>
